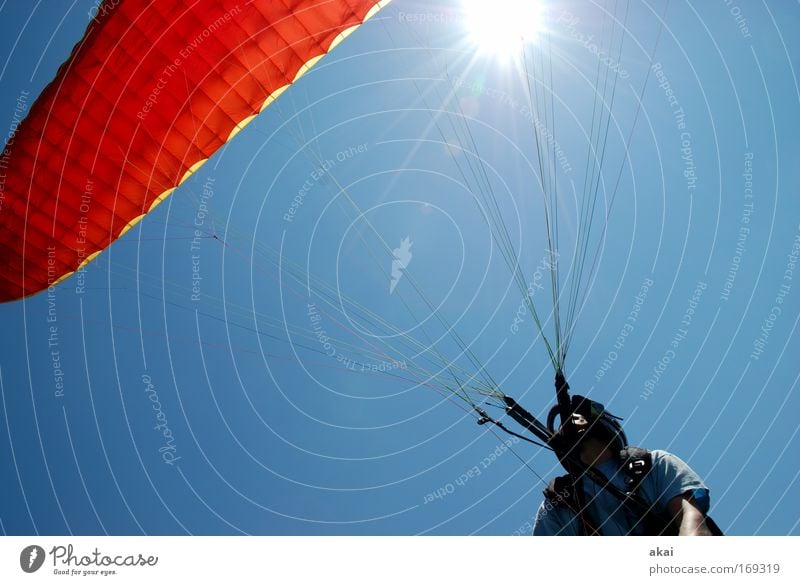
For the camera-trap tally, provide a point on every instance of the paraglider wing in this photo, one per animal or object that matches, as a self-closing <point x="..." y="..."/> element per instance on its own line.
<point x="146" y="97"/>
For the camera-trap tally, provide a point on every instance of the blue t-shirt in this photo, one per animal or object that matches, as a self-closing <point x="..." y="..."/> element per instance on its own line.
<point x="668" y="478"/>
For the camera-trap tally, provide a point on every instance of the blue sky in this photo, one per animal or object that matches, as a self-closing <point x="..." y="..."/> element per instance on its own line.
<point x="273" y="433"/>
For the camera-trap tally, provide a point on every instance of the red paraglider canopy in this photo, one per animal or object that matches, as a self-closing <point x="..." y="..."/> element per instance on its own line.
<point x="146" y="97"/>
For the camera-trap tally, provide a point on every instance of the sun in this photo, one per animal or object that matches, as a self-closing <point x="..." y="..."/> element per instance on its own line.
<point x="500" y="27"/>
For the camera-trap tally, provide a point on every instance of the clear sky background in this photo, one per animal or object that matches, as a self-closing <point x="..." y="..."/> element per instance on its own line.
<point x="272" y="431"/>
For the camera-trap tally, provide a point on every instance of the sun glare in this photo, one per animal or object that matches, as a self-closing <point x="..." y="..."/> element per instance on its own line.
<point x="501" y="26"/>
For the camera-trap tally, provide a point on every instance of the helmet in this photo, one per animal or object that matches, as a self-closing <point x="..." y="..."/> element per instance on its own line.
<point x="602" y="424"/>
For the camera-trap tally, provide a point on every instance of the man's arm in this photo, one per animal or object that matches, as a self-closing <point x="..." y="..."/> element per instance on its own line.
<point x="685" y="513"/>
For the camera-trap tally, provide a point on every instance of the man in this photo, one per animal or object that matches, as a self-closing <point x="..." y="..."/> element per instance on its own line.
<point x="667" y="497"/>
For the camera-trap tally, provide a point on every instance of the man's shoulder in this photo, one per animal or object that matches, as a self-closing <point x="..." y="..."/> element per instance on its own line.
<point x="553" y="519"/>
<point x="672" y="476"/>
<point x="662" y="457"/>
<point x="665" y="461"/>
<point x="664" y="466"/>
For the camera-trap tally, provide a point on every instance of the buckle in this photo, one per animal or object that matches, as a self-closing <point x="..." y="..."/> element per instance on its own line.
<point x="637" y="467"/>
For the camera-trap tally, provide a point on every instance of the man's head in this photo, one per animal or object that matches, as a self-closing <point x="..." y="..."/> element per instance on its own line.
<point x="591" y="430"/>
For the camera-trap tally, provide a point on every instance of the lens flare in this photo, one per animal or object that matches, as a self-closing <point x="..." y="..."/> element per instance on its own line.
<point x="501" y="27"/>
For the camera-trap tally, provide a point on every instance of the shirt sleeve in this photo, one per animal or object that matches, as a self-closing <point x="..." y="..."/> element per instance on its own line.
<point x="673" y="477"/>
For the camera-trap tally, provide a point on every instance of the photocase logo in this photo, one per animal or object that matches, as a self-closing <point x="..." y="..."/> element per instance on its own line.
<point x="402" y="258"/>
<point x="31" y="558"/>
